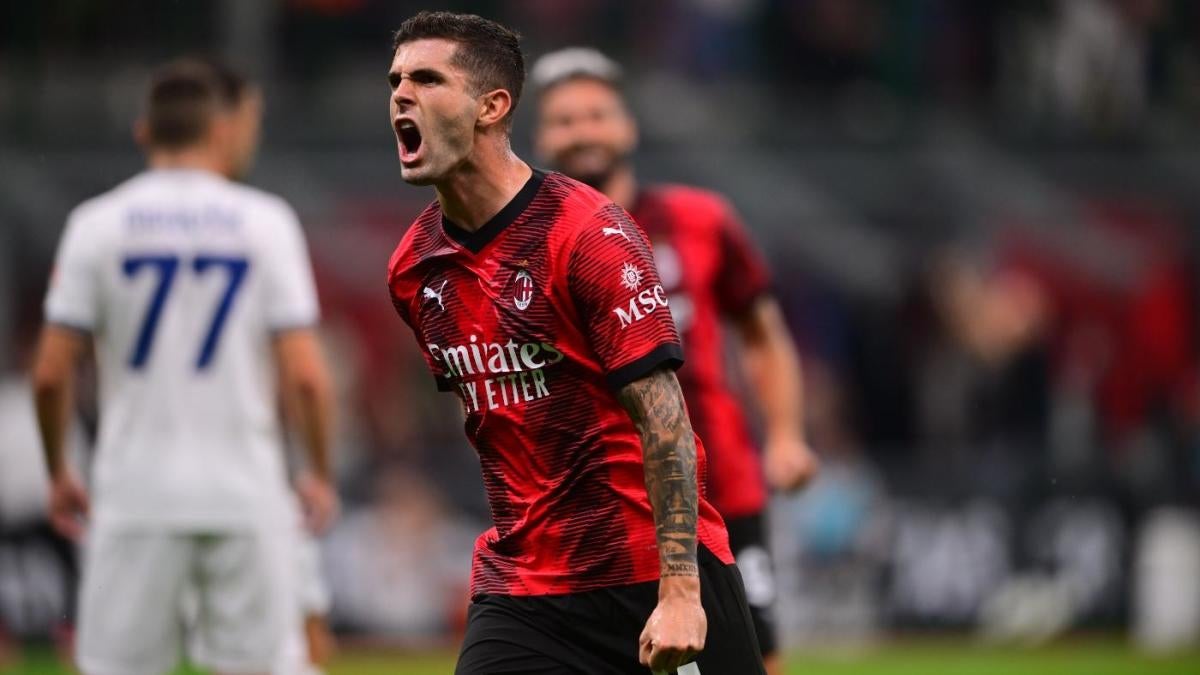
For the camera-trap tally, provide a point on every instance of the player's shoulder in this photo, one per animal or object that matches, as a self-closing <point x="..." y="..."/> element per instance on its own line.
<point x="688" y="198"/>
<point x="420" y="240"/>
<point x="94" y="210"/>
<point x="578" y="205"/>
<point x="576" y="198"/>
<point x="262" y="202"/>
<point x="94" y="216"/>
<point x="110" y="203"/>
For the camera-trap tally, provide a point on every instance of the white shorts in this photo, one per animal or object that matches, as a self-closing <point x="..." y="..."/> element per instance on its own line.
<point x="136" y="584"/>
<point x="313" y="600"/>
<point x="310" y="580"/>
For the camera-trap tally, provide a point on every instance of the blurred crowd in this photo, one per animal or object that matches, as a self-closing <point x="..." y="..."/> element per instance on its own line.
<point x="984" y="226"/>
<point x="1061" y="69"/>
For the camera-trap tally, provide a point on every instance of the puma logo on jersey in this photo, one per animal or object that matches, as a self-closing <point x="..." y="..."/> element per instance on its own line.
<point x="430" y="294"/>
<point x="615" y="230"/>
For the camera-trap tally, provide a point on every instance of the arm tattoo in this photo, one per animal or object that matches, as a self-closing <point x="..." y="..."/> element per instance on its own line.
<point x="655" y="404"/>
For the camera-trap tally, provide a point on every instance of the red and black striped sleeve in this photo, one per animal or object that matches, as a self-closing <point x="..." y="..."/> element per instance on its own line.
<point x="744" y="275"/>
<point x="620" y="298"/>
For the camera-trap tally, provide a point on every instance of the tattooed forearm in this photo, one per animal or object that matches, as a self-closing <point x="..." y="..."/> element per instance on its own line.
<point x="655" y="404"/>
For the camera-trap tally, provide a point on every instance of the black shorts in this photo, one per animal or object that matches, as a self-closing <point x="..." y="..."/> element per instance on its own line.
<point x="748" y="540"/>
<point x="596" y="632"/>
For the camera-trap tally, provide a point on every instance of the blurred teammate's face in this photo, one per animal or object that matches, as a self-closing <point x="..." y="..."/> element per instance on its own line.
<point x="584" y="130"/>
<point x="433" y="109"/>
<point x="245" y="125"/>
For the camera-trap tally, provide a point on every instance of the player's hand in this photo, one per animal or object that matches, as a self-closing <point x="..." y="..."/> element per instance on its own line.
<point x="789" y="463"/>
<point x="675" y="632"/>
<point x="320" y="501"/>
<point x="68" y="504"/>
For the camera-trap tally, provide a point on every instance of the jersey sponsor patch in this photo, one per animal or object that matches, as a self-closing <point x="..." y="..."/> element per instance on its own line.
<point x="492" y="375"/>
<point x="641" y="305"/>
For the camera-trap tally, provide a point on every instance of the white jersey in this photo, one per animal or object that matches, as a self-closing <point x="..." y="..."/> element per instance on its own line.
<point x="182" y="277"/>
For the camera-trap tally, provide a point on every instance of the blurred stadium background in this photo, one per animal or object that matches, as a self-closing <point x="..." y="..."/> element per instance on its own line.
<point x="983" y="217"/>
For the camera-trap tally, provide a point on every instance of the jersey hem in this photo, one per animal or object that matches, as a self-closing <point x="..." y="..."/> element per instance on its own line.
<point x="650" y="576"/>
<point x="575" y="585"/>
<point x="281" y="327"/>
<point x="77" y="326"/>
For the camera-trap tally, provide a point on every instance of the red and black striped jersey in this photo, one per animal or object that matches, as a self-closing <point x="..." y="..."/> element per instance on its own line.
<point x="534" y="321"/>
<point x="711" y="271"/>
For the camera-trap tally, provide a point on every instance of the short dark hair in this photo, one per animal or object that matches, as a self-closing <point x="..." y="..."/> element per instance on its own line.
<point x="183" y="98"/>
<point x="489" y="52"/>
<point x="232" y="85"/>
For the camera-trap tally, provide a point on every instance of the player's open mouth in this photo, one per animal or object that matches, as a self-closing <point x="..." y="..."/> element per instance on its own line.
<point x="410" y="139"/>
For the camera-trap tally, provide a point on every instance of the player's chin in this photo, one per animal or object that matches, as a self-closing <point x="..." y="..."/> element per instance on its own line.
<point x="418" y="174"/>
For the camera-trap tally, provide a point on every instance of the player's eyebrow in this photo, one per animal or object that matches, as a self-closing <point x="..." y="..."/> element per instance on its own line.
<point x="419" y="75"/>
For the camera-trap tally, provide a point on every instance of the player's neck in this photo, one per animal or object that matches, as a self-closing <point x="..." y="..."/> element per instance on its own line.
<point x="194" y="159"/>
<point x="621" y="187"/>
<point x="481" y="187"/>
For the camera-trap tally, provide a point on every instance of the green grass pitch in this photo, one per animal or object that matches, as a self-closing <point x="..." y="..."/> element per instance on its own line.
<point x="1090" y="657"/>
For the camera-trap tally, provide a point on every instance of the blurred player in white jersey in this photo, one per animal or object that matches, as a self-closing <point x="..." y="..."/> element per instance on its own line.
<point x="310" y="643"/>
<point x="198" y="298"/>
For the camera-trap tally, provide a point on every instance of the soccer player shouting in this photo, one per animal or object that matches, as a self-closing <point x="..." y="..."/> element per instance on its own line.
<point x="536" y="301"/>
<point x="711" y="272"/>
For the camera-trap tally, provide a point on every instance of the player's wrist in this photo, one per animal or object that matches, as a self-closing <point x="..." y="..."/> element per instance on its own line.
<point x="316" y="473"/>
<point x="679" y="583"/>
<point x="785" y="437"/>
<point x="58" y="470"/>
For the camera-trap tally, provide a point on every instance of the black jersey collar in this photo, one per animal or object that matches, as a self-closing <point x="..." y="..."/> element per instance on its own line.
<point x="475" y="241"/>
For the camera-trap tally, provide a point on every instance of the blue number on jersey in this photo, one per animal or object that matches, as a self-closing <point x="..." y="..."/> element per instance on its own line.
<point x="237" y="271"/>
<point x="167" y="265"/>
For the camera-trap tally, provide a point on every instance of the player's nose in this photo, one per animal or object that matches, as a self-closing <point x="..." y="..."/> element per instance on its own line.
<point x="402" y="95"/>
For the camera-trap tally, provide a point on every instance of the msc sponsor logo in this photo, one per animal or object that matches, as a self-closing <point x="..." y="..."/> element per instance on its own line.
<point x="641" y="306"/>
<point x="631" y="276"/>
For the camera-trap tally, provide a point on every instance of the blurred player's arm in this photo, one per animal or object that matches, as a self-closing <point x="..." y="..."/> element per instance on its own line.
<point x="772" y="368"/>
<point x="308" y="400"/>
<point x="54" y="370"/>
<point x="768" y="354"/>
<point x="675" y="632"/>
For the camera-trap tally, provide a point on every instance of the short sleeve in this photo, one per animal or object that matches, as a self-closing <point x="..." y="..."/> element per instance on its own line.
<point x="743" y="276"/>
<point x="72" y="299"/>
<point x="291" y="291"/>
<point x="621" y="301"/>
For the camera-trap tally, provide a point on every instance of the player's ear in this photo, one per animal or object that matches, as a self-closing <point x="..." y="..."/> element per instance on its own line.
<point x="221" y="130"/>
<point x="141" y="132"/>
<point x="494" y="106"/>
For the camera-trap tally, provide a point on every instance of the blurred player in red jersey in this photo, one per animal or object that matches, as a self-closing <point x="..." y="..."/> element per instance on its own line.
<point x="712" y="272"/>
<point x="536" y="301"/>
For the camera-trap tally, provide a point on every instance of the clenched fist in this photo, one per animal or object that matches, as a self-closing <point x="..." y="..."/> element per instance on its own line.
<point x="675" y="632"/>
